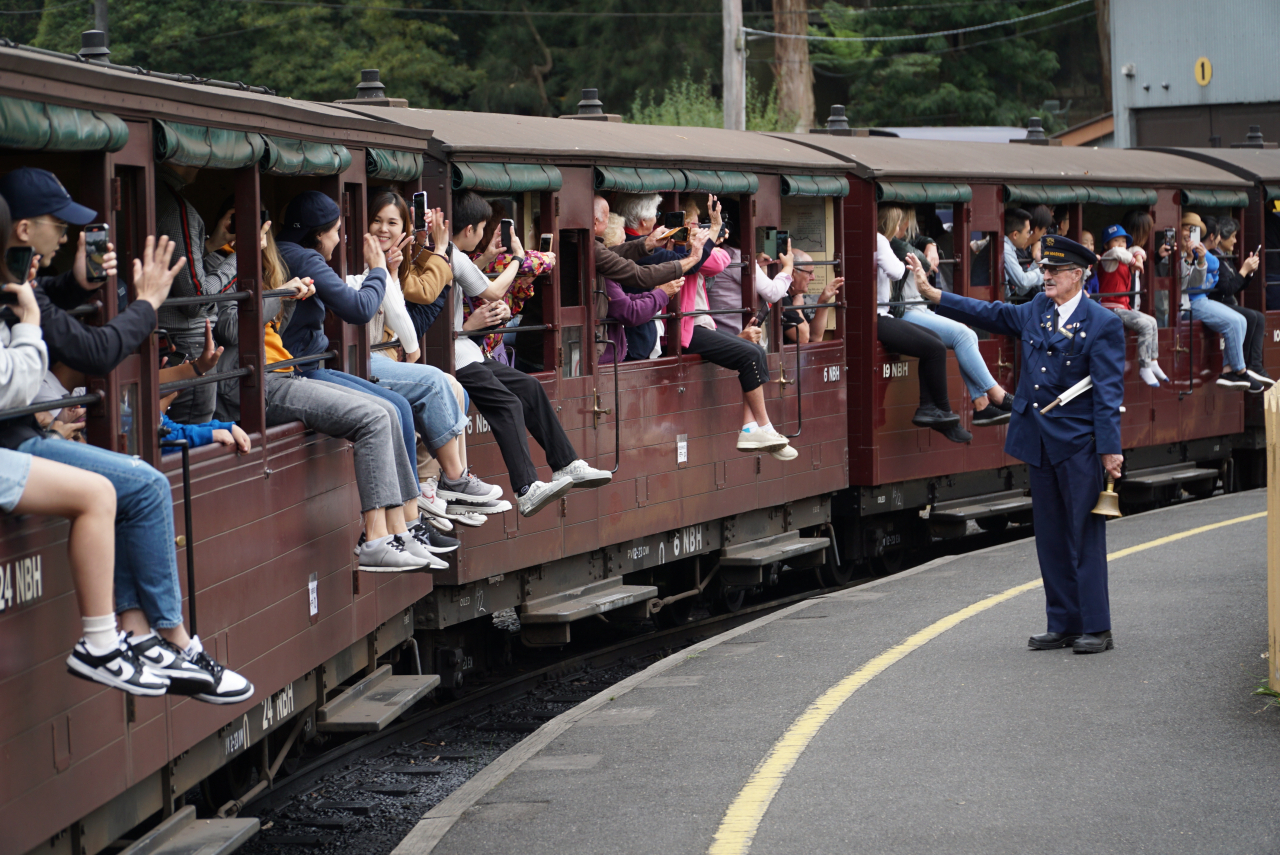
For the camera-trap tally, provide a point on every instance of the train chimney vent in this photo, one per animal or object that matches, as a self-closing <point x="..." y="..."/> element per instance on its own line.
<point x="1254" y="139"/>
<point x="93" y="46"/>
<point x="838" y="124"/>
<point x="591" y="108"/>
<point x="371" y="93"/>
<point x="1035" y="134"/>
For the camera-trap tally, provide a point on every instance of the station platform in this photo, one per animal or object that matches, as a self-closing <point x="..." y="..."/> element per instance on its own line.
<point x="909" y="716"/>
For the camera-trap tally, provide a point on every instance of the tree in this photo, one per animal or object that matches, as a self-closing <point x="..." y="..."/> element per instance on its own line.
<point x="791" y="62"/>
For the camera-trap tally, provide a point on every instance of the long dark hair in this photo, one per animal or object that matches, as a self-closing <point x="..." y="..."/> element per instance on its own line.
<point x="382" y="199"/>
<point x="6" y="226"/>
<point x="311" y="240"/>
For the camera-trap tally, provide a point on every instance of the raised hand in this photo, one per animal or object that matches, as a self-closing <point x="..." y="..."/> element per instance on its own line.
<point x="152" y="276"/>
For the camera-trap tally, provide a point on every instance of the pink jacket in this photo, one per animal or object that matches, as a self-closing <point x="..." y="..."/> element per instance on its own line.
<point x="695" y="282"/>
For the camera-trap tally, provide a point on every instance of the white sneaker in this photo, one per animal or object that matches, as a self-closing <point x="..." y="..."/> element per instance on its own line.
<point x="228" y="686"/>
<point x="439" y="523"/>
<point x="429" y="502"/>
<point x="582" y="475"/>
<point x="168" y="661"/>
<point x="1148" y="376"/>
<point x="475" y="520"/>
<point x="785" y="453"/>
<point x="457" y="511"/>
<point x="387" y="555"/>
<point x="120" y="669"/>
<point x="1156" y="370"/>
<point x="540" y="494"/>
<point x="760" y="440"/>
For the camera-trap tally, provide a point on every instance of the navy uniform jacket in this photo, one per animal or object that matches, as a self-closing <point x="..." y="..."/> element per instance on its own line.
<point x="1052" y="362"/>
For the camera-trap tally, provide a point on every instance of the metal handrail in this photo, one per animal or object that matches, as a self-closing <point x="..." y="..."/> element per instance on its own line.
<point x="386" y="345"/>
<point x="225" y="297"/>
<point x="205" y="380"/>
<point x="85" y="309"/>
<point x="499" y="331"/>
<point x="190" y="545"/>
<point x="289" y="363"/>
<point x="617" y="395"/>
<point x="58" y="403"/>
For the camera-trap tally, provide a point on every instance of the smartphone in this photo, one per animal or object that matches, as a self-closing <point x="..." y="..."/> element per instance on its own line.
<point x="175" y="358"/>
<point x="506" y="226"/>
<point x="96" y="238"/>
<point x="544" y="243"/>
<point x="19" y="260"/>
<point x="1258" y="251"/>
<point x="1195" y="235"/>
<point x="783" y="237"/>
<point x="419" y="212"/>
<point x="1168" y="237"/>
<point x="673" y="219"/>
<point x="680" y="235"/>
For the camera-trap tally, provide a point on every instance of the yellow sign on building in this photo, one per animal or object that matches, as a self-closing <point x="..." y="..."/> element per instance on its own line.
<point x="1204" y="71"/>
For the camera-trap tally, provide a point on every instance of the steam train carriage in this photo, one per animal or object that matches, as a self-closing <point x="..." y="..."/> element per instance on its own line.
<point x="265" y="538"/>
<point x="909" y="482"/>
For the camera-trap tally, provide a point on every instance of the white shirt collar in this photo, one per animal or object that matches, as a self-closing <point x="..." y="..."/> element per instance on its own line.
<point x="1065" y="310"/>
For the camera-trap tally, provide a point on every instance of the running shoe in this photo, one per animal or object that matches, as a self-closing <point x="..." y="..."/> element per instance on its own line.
<point x="468" y="490"/>
<point x="473" y="519"/>
<point x="166" y="659"/>
<point x="758" y="439"/>
<point x="120" y="669"/>
<point x="955" y="433"/>
<point x="430" y="501"/>
<point x="785" y="453"/>
<point x="433" y="540"/>
<point x="1261" y="377"/>
<point x="582" y="475"/>
<point x="387" y="555"/>
<point x="442" y="524"/>
<point x="1234" y="380"/>
<point x="228" y="686"/>
<point x="991" y="415"/>
<point x="417" y="547"/>
<point x="539" y="494"/>
<point x="929" y="416"/>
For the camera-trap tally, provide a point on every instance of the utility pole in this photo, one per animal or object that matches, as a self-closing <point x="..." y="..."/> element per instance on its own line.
<point x="734" y="74"/>
<point x="100" y="15"/>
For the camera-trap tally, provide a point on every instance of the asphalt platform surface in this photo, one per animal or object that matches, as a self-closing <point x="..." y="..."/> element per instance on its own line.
<point x="971" y="743"/>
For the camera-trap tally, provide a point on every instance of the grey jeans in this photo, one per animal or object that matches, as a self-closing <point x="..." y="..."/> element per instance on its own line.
<point x="193" y="406"/>
<point x="384" y="475"/>
<point x="1148" y="337"/>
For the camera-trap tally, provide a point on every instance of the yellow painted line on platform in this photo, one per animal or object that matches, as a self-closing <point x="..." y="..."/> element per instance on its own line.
<point x="742" y="819"/>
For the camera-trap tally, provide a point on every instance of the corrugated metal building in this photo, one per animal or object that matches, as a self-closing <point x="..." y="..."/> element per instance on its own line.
<point x="1185" y="72"/>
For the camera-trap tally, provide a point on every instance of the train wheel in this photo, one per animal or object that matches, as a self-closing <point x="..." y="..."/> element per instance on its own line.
<point x="891" y="562"/>
<point x="993" y="524"/>
<point x="1203" y="490"/>
<point x="722" y="600"/>
<point x="674" y="614"/>
<point x="833" y="575"/>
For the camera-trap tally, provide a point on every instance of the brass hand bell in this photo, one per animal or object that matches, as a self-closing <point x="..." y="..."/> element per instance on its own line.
<point x="1108" y="501"/>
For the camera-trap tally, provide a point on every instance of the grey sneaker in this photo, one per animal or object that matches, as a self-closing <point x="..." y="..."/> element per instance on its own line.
<point x="417" y="547"/>
<point x="540" y="494"/>
<point x="468" y="490"/>
<point x="387" y="555"/>
<point x="582" y="475"/>
<point x="433" y="540"/>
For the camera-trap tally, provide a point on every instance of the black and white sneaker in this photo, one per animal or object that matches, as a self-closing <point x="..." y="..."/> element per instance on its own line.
<point x="1256" y="387"/>
<point x="1261" y="377"/>
<point x="1234" y="380"/>
<point x="991" y="415"/>
<point x="432" y="539"/>
<point x="167" y="660"/>
<point x="120" y="669"/>
<point x="228" y="686"/>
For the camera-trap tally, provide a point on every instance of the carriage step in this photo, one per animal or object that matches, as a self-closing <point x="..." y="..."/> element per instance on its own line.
<point x="979" y="507"/>
<point x="593" y="599"/>
<point x="1163" y="476"/>
<point x="771" y="550"/>
<point x="182" y="833"/>
<point x="374" y="702"/>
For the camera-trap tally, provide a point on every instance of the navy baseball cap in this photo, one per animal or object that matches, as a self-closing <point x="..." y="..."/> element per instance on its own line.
<point x="1113" y="232"/>
<point x="34" y="192"/>
<point x="308" y="211"/>
<point x="1059" y="251"/>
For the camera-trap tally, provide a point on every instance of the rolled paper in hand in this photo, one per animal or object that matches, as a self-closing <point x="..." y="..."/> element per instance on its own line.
<point x="1074" y="392"/>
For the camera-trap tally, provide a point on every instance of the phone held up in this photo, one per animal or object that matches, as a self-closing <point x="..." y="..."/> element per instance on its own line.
<point x="18" y="259"/>
<point x="544" y="243"/>
<point x="1168" y="237"/>
<point x="96" y="239"/>
<point x="1195" y="235"/>
<point x="505" y="240"/>
<point x="419" y="212"/>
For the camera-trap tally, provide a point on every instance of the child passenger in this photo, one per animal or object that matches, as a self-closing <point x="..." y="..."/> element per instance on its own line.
<point x="1115" y="276"/>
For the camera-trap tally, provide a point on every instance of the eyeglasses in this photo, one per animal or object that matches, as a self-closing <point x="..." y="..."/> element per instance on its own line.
<point x="57" y="224"/>
<point x="802" y="270"/>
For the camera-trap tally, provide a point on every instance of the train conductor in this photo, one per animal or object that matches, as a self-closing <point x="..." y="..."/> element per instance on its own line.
<point x="1066" y="337"/>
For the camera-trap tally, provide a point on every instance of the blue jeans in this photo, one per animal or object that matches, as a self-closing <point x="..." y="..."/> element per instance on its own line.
<point x="350" y="381"/>
<point x="425" y="387"/>
<point x="964" y="341"/>
<point x="146" y="561"/>
<point x="1227" y="322"/>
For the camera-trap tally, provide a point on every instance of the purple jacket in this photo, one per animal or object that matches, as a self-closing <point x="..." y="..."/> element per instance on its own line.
<point x="632" y="310"/>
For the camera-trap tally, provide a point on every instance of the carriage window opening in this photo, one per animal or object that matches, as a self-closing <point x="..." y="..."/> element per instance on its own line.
<point x="129" y="418"/>
<point x="984" y="249"/>
<point x="573" y="244"/>
<point x="572" y="343"/>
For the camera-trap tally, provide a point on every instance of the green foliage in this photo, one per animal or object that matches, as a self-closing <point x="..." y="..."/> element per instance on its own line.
<point x="688" y="103"/>
<point x="938" y="81"/>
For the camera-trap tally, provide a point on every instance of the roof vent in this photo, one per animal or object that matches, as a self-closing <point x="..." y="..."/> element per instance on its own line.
<point x="591" y="108"/>
<point x="838" y="124"/>
<point x="93" y="45"/>
<point x="1254" y="139"/>
<point x="1035" y="134"/>
<point x="371" y="93"/>
<point x="370" y="86"/>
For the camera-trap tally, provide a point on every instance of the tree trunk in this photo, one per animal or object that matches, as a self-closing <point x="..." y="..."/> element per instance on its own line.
<point x="791" y="63"/>
<point x="1104" y="47"/>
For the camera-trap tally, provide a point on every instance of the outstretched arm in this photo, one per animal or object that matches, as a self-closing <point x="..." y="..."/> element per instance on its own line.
<point x="999" y="318"/>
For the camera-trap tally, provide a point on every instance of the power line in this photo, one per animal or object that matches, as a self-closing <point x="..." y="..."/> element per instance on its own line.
<point x="42" y="10"/>
<point x="914" y="35"/>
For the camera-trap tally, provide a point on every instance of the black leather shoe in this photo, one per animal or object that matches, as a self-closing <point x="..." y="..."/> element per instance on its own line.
<point x="1093" y="642"/>
<point x="929" y="416"/>
<point x="1051" y="641"/>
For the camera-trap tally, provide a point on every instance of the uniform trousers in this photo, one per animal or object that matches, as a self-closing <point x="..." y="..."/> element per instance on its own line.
<point x="513" y="402"/>
<point x="1071" y="541"/>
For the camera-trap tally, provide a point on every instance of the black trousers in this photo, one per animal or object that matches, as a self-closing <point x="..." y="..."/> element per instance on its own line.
<point x="513" y="402"/>
<point x="1255" y="329"/>
<point x="899" y="336"/>
<point x="729" y="351"/>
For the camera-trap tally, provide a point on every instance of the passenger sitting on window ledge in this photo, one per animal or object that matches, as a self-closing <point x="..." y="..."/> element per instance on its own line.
<point x="1116" y="267"/>
<point x="225" y="433"/>
<point x="513" y="402"/>
<point x="741" y="353"/>
<point x="493" y="261"/>
<point x="632" y="310"/>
